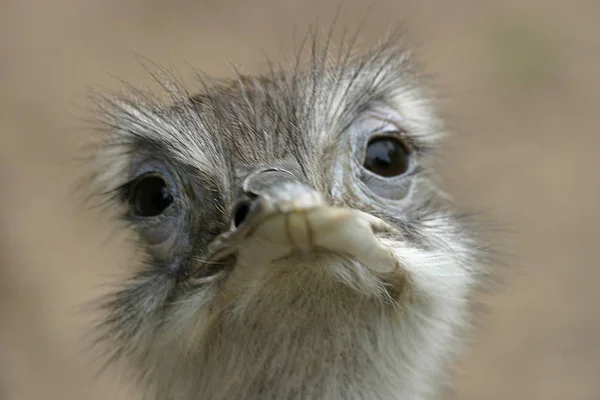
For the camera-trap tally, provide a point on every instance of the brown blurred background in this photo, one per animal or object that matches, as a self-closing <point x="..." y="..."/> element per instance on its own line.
<point x="520" y="82"/>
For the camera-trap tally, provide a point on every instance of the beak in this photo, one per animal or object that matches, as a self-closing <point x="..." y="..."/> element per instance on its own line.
<point x="278" y="215"/>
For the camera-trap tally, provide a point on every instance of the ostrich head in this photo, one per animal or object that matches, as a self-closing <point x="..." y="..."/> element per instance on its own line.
<point x="293" y="244"/>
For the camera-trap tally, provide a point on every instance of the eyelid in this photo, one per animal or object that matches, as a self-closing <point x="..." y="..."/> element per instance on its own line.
<point x="395" y="133"/>
<point x="385" y="131"/>
<point x="144" y="166"/>
<point x="387" y="120"/>
<point x="401" y="136"/>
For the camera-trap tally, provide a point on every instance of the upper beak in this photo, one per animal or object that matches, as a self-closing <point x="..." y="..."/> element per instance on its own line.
<point x="279" y="215"/>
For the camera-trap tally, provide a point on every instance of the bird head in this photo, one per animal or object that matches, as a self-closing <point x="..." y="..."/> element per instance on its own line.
<point x="293" y="243"/>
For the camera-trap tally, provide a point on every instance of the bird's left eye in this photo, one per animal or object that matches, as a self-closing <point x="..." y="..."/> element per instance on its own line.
<point x="386" y="156"/>
<point x="150" y="196"/>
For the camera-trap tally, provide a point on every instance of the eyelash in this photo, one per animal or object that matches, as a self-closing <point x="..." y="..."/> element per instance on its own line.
<point x="397" y="133"/>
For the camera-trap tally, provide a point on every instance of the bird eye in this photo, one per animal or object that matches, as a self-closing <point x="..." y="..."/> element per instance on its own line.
<point x="386" y="156"/>
<point x="150" y="196"/>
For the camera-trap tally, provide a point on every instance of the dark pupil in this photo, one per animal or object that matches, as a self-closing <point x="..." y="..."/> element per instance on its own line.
<point x="386" y="157"/>
<point x="151" y="196"/>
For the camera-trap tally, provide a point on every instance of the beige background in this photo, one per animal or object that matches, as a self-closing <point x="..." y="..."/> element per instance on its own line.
<point x="520" y="79"/>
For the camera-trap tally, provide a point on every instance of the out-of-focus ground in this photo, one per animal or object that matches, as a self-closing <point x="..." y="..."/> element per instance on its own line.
<point x="520" y="81"/>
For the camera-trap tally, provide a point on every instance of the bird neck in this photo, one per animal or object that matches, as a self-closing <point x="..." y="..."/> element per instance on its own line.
<point x="347" y="350"/>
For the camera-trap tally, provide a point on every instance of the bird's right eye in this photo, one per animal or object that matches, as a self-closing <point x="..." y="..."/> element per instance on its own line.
<point x="150" y="196"/>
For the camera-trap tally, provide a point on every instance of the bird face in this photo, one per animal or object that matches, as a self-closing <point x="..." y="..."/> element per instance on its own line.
<point x="293" y="242"/>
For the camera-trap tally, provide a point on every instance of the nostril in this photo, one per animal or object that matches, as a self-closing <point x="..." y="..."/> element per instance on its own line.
<point x="240" y="213"/>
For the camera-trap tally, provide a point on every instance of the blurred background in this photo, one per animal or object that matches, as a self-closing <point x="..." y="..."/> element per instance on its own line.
<point x="520" y="84"/>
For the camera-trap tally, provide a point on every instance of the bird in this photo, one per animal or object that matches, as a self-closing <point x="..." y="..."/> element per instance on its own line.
<point x="294" y="241"/>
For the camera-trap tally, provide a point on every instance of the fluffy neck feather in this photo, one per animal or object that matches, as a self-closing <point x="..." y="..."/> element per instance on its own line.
<point x="309" y="338"/>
